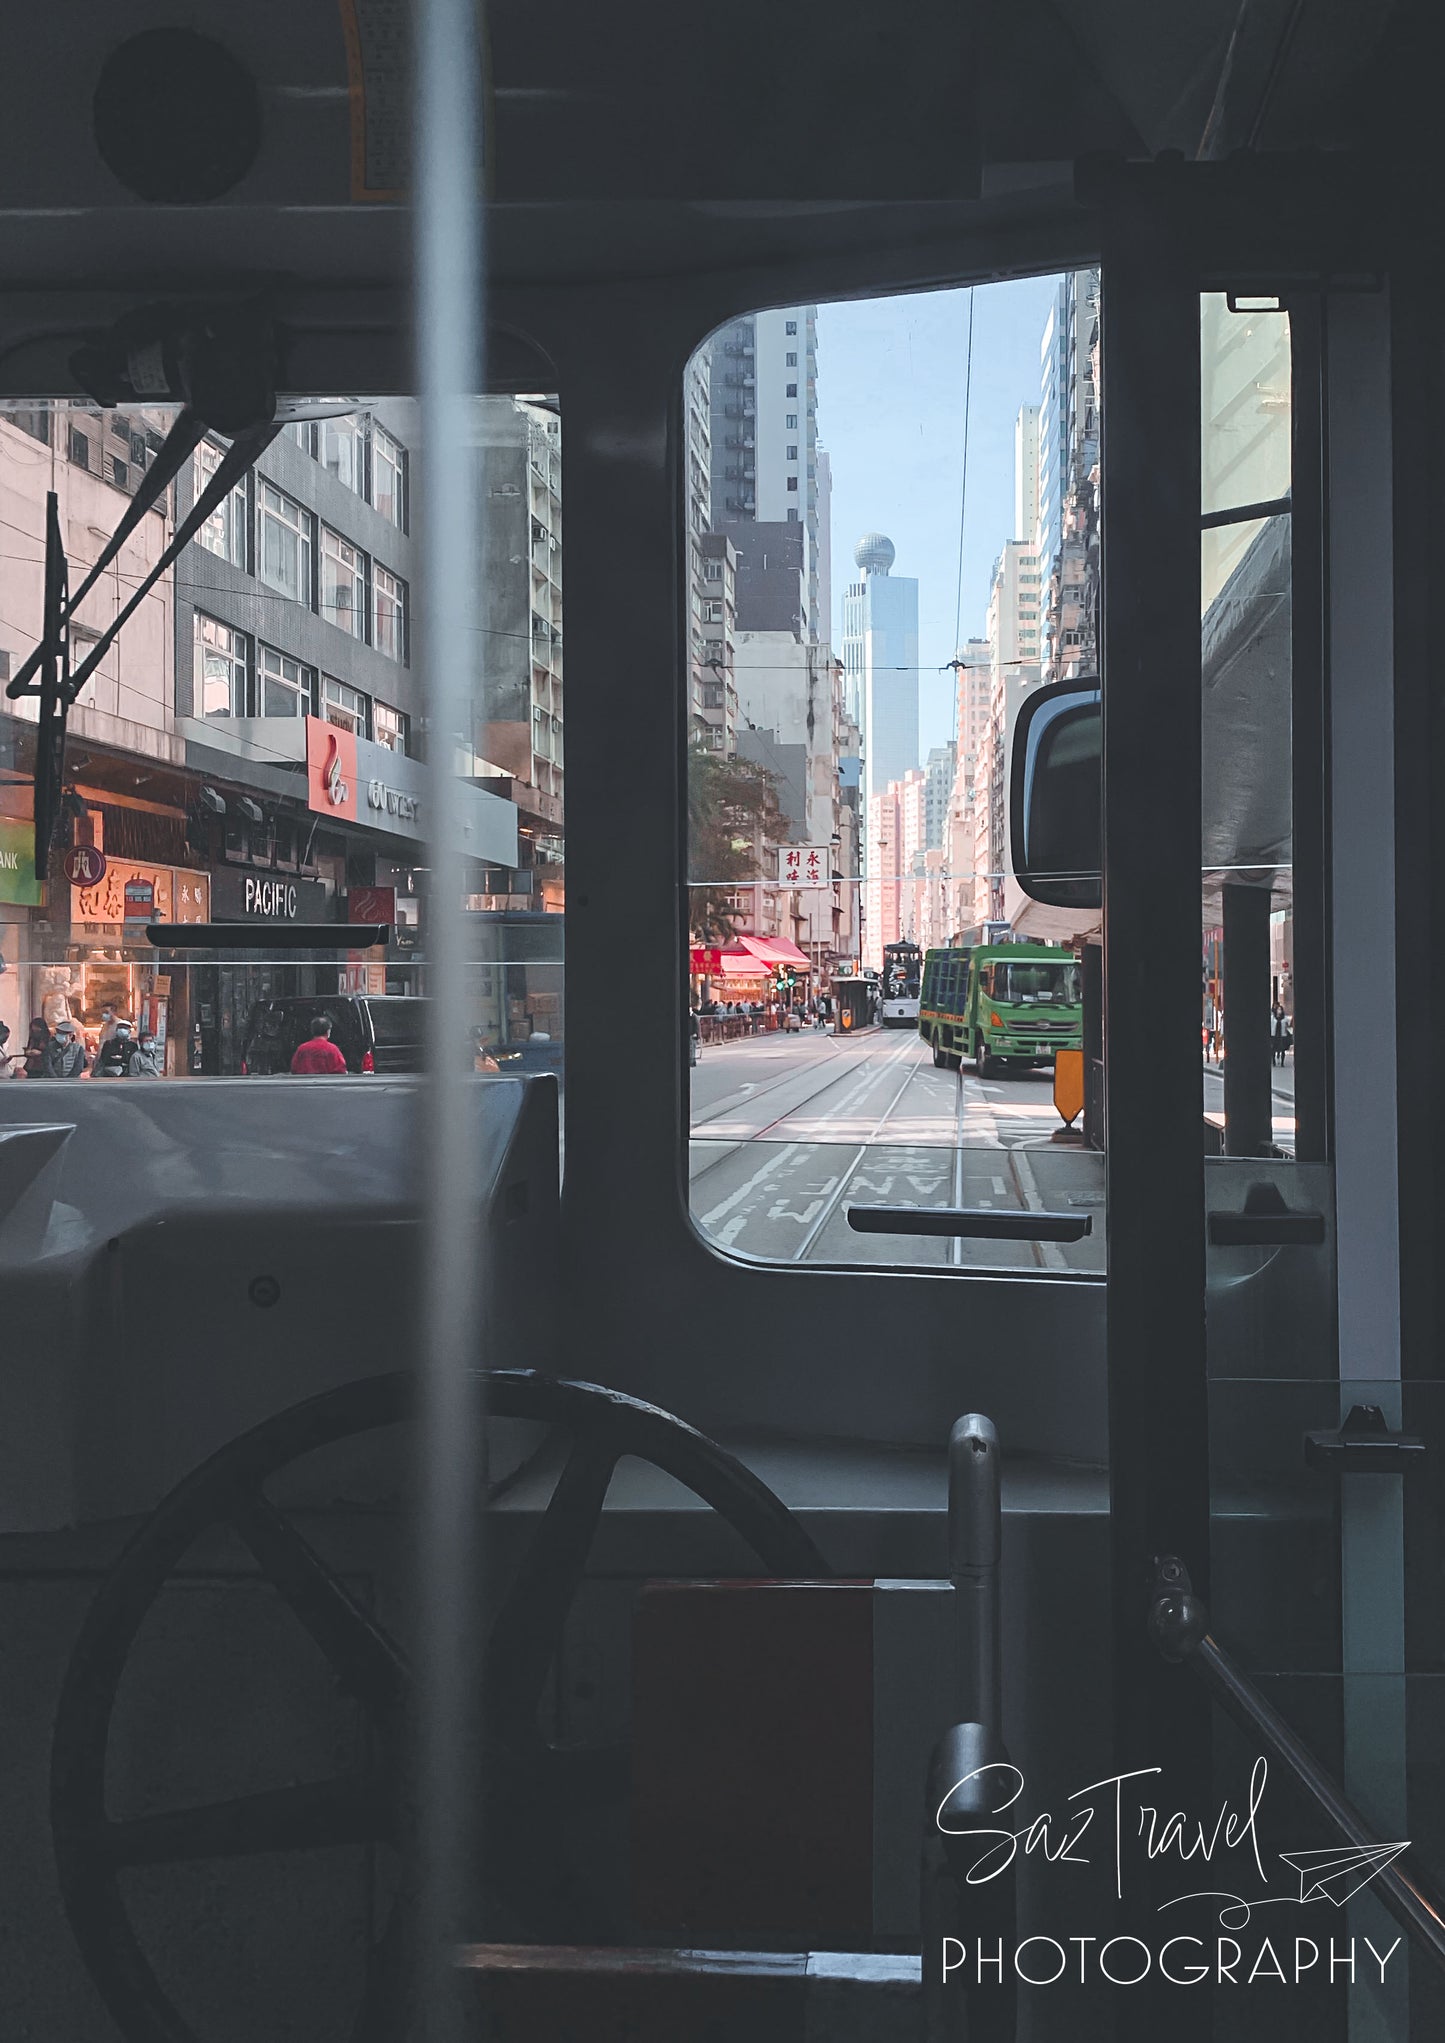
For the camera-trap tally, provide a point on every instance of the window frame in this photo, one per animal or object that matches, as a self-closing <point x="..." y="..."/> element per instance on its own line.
<point x="305" y="531"/>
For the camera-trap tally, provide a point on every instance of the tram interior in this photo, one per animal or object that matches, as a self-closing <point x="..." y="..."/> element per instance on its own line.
<point x="738" y="1596"/>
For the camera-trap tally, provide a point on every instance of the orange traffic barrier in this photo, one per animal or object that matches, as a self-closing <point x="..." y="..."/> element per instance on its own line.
<point x="1069" y="1084"/>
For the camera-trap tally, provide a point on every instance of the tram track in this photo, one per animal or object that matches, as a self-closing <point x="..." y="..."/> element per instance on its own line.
<point x="861" y="1146"/>
<point x="867" y="1077"/>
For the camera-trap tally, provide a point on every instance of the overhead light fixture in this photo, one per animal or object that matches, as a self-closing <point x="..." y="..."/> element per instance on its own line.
<point x="252" y="811"/>
<point x="216" y="803"/>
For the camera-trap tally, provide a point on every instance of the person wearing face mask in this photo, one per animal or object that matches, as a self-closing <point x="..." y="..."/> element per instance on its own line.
<point x="64" y="1055"/>
<point x="115" y="1053"/>
<point x="145" y="1058"/>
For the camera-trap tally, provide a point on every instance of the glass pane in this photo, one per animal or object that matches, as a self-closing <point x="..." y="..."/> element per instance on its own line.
<point x="267" y="814"/>
<point x="877" y="1010"/>
<point x="1245" y="436"/>
<point x="1247" y="891"/>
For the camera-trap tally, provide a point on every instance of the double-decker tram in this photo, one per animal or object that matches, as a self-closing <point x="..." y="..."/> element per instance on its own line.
<point x="899" y="984"/>
<point x="811" y="1541"/>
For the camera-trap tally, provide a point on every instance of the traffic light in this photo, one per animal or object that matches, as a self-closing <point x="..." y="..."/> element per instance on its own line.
<point x="792" y="978"/>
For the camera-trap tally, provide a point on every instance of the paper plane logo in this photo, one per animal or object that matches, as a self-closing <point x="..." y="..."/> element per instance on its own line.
<point x="1336" y="1872"/>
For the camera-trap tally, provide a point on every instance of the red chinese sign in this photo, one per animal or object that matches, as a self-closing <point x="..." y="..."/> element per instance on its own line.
<point x="805" y="865"/>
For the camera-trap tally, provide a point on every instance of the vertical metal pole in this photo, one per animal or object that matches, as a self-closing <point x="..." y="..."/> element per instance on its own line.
<point x="449" y="327"/>
<point x="1154" y="1163"/>
<point x="1248" y="1056"/>
<point x="975" y="1532"/>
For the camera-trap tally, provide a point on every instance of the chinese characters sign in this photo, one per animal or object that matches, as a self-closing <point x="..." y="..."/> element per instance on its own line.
<point x="805" y="865"/>
<point x="132" y="893"/>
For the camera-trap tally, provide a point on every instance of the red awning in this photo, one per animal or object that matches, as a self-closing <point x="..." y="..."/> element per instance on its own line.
<point x="774" y="950"/>
<point x="740" y="965"/>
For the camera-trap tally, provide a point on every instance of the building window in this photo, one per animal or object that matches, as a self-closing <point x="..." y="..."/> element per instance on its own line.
<point x="792" y="482"/>
<point x="790" y="361"/>
<point x="793" y="518"/>
<point x="284" y="685"/>
<point x="222" y="660"/>
<point x="79" y="449"/>
<point x="712" y="613"/>
<point x="792" y="453"/>
<point x="712" y="570"/>
<point x="285" y="544"/>
<point x="33" y="419"/>
<point x="388" y="726"/>
<point x="388" y="633"/>
<point x="790" y="423"/>
<point x="343" y="451"/>
<point x="791" y="391"/>
<point x="343" y="583"/>
<point x="388" y="477"/>
<point x="224" y="532"/>
<point x="343" y="705"/>
<point x="791" y="327"/>
<point x="304" y="434"/>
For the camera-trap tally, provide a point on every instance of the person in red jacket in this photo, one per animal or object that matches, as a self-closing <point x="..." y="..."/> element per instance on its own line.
<point x="319" y="1056"/>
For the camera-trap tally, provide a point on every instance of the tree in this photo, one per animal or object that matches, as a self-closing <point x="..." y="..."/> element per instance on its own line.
<point x="732" y="812"/>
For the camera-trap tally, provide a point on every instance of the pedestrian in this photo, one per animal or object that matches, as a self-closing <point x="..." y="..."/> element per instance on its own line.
<point x="1279" y="1032"/>
<point x="115" y="1051"/>
<point x="318" y="1056"/>
<point x="36" y="1045"/>
<point x="11" y="1066"/>
<point x="65" y="1054"/>
<point x="145" y="1059"/>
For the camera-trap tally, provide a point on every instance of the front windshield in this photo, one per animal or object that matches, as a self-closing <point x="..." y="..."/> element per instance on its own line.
<point x="1035" y="984"/>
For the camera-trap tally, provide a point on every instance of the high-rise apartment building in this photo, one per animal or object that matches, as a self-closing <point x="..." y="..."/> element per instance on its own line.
<point x="1026" y="472"/>
<point x="1068" y="506"/>
<point x="939" y="771"/>
<point x="764" y="436"/>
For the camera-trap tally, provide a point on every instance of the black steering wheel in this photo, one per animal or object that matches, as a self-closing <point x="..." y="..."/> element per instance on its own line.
<point x="92" y="1850"/>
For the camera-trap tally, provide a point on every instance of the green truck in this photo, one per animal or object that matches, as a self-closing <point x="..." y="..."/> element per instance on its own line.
<point x="1001" y="1006"/>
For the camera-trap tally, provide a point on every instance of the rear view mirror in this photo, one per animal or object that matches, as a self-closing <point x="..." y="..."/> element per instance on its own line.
<point x="1055" y="795"/>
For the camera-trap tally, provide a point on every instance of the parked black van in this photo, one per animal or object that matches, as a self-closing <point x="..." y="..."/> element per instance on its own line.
<point x="375" y="1033"/>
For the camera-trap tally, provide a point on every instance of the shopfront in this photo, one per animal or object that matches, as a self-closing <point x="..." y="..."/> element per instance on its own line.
<point x="108" y="961"/>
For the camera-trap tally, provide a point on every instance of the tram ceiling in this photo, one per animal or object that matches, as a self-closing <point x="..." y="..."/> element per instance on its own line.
<point x="683" y="128"/>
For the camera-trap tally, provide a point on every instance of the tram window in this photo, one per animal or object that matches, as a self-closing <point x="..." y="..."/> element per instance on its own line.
<point x="251" y="764"/>
<point x="876" y="1014"/>
<point x="1249" y="859"/>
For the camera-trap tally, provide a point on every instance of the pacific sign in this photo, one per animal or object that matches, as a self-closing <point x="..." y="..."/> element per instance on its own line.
<point x="277" y="899"/>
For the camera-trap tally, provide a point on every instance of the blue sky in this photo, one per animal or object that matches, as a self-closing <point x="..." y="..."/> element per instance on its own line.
<point x="890" y="413"/>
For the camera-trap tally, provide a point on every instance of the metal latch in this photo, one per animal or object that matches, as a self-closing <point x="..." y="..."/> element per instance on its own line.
<point x="1364" y="1445"/>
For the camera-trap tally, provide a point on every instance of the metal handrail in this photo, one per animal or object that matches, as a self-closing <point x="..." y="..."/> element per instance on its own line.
<point x="1179" y="1627"/>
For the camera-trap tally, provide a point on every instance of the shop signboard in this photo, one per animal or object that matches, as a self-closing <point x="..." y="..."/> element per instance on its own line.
<point x="83" y="865"/>
<point x="18" y="880"/>
<point x="371" y="904"/>
<point x="330" y="770"/>
<point x="241" y="896"/>
<point x="351" y="780"/>
<point x="808" y="867"/>
<point x="120" y="895"/>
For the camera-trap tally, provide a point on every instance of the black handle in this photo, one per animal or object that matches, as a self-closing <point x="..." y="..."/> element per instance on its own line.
<point x="970" y="1223"/>
<point x="1364" y="1445"/>
<point x="1267" y="1230"/>
<point x="266" y="936"/>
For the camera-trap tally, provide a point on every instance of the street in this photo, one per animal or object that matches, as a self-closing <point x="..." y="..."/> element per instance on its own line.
<point x="789" y="1131"/>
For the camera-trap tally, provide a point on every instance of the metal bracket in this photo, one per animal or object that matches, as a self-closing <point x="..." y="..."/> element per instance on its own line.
<point x="1364" y="1445"/>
